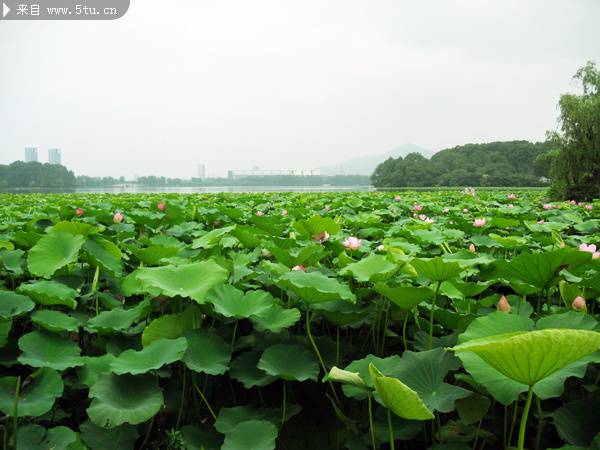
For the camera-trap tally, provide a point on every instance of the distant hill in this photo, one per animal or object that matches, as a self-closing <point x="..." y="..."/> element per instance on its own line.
<point x="510" y="163"/>
<point x="365" y="165"/>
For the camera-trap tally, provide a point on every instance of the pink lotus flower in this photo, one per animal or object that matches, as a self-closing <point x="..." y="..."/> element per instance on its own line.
<point x="511" y="196"/>
<point x="541" y="221"/>
<point x="284" y="212"/>
<point x="259" y="213"/>
<point x="573" y="202"/>
<point x="579" y="304"/>
<point x="589" y="207"/>
<point x="478" y="223"/>
<point x="547" y="206"/>
<point x="417" y="207"/>
<point x="590" y="249"/>
<point x="446" y="210"/>
<point x="397" y="198"/>
<point x="321" y="237"/>
<point x="503" y="305"/>
<point x="511" y="206"/>
<point x="299" y="267"/>
<point x="352" y="243"/>
<point x="79" y="212"/>
<point x="161" y="206"/>
<point x="118" y="217"/>
<point x="472" y="248"/>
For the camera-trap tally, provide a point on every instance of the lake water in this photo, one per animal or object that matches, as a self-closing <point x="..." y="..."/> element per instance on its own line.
<point x="197" y="189"/>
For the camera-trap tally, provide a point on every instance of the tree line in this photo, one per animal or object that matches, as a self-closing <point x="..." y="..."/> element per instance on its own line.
<point x="512" y="163"/>
<point x="21" y="174"/>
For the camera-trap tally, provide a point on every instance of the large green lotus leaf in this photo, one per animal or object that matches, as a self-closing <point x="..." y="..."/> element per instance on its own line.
<point x="341" y="313"/>
<point x="244" y="369"/>
<point x="436" y="269"/>
<point x="372" y="268"/>
<point x="424" y="372"/>
<point x="290" y="362"/>
<point x="316" y="225"/>
<point x="539" y="269"/>
<point x="49" y="293"/>
<point x="212" y="238"/>
<point x="14" y="305"/>
<point x="82" y="228"/>
<point x="501" y="387"/>
<point x="172" y="326"/>
<point x="119" y="319"/>
<point x="314" y="287"/>
<point x="361" y="366"/>
<point x="152" y="255"/>
<point x="398" y="397"/>
<point x="473" y="408"/>
<point x="5" y="328"/>
<point x="54" y="320"/>
<point x="251" y="435"/>
<point x="232" y="302"/>
<point x="93" y="366"/>
<point x="44" y="349"/>
<point x="460" y="289"/>
<point x="124" y="399"/>
<point x="188" y="280"/>
<point x="104" y="253"/>
<point x="405" y="297"/>
<point x="152" y="357"/>
<point x="206" y="352"/>
<point x="122" y="437"/>
<point x="570" y="319"/>
<point x="229" y="418"/>
<point x="13" y="261"/>
<point x="53" y="251"/>
<point x="35" y="437"/>
<point x="275" y="319"/>
<point x="577" y="421"/>
<point x="197" y="438"/>
<point x="528" y="357"/>
<point x="36" y="396"/>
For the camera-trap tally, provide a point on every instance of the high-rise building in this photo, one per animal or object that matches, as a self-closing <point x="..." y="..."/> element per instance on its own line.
<point x="201" y="171"/>
<point x="54" y="156"/>
<point x="31" y="154"/>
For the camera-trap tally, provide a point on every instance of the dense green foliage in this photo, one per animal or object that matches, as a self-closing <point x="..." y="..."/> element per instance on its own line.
<point x="355" y="321"/>
<point x="576" y="168"/>
<point x="34" y="175"/>
<point x="513" y="163"/>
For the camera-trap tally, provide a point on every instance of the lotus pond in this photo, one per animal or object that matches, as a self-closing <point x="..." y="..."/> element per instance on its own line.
<point x="440" y="320"/>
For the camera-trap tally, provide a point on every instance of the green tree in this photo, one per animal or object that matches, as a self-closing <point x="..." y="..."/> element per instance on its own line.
<point x="576" y="168"/>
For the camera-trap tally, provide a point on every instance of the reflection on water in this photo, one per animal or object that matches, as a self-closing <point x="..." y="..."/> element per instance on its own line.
<point x="196" y="189"/>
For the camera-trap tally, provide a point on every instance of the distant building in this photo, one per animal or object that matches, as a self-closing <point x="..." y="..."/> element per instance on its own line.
<point x="201" y="171"/>
<point x="54" y="156"/>
<point x="237" y="174"/>
<point x="31" y="154"/>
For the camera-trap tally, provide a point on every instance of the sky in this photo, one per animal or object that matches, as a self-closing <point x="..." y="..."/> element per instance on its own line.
<point x="286" y="84"/>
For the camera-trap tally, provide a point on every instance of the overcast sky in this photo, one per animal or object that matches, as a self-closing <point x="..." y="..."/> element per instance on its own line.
<point x="286" y="83"/>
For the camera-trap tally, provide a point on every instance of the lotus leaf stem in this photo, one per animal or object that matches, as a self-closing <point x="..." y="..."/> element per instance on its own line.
<point x="524" y="416"/>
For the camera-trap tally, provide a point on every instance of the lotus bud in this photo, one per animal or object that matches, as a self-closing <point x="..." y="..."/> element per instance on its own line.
<point x="79" y="212"/>
<point x="292" y="235"/>
<point x="511" y="196"/>
<point x="321" y="237"/>
<point x="299" y="267"/>
<point x="266" y="253"/>
<point x="579" y="304"/>
<point x="161" y="206"/>
<point x="352" y="243"/>
<point x="503" y="305"/>
<point x="479" y="223"/>
<point x="397" y="198"/>
<point x="284" y="212"/>
<point x="118" y="217"/>
<point x="259" y="213"/>
<point x="562" y="244"/>
<point x="380" y="248"/>
<point x="472" y="248"/>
